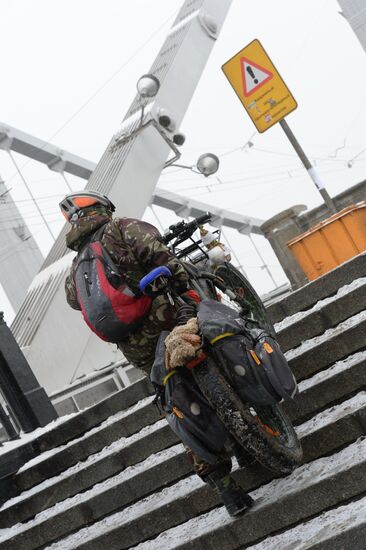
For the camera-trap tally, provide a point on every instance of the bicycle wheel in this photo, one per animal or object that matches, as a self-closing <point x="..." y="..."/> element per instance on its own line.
<point x="238" y="283"/>
<point x="267" y="435"/>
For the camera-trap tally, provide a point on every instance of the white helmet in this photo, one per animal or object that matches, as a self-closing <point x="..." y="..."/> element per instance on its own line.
<point x="79" y="200"/>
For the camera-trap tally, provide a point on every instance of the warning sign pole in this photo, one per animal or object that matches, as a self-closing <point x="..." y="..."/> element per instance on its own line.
<point x="309" y="167"/>
<point x="267" y="99"/>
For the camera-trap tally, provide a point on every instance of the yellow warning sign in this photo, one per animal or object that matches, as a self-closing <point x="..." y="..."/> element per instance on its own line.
<point x="259" y="86"/>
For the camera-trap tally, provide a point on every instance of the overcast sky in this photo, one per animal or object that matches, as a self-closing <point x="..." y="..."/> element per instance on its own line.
<point x="68" y="73"/>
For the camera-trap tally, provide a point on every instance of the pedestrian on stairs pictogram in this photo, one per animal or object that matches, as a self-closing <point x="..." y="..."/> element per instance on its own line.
<point x="254" y="76"/>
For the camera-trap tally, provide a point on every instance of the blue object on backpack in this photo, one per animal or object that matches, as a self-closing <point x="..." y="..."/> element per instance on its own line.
<point x="154" y="274"/>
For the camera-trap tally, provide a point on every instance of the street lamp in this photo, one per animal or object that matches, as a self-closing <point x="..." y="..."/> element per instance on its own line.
<point x="147" y="85"/>
<point x="207" y="164"/>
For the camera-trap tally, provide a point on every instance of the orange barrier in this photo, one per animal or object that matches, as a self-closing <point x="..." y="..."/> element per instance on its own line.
<point x="331" y="242"/>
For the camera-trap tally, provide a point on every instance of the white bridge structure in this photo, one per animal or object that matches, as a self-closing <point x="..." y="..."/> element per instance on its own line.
<point x="58" y="345"/>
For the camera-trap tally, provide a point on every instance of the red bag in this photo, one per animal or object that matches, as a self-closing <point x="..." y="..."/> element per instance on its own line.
<point x="109" y="307"/>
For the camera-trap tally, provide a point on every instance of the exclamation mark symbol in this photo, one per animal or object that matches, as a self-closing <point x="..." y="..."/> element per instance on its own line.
<point x="250" y="71"/>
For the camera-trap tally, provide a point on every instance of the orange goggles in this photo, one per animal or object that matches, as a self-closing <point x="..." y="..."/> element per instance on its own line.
<point x="79" y="203"/>
<point x="83" y="202"/>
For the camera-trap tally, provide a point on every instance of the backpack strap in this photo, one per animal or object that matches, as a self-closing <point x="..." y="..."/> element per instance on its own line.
<point x="108" y="262"/>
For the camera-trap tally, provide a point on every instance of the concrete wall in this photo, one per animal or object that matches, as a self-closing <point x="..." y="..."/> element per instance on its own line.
<point x="296" y="220"/>
<point x="20" y="256"/>
<point x="355" y="13"/>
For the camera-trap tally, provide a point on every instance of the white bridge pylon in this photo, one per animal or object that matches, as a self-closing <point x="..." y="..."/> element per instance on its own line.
<point x="59" y="160"/>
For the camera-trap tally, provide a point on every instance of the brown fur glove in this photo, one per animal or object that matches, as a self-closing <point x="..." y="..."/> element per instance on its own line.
<point x="182" y="344"/>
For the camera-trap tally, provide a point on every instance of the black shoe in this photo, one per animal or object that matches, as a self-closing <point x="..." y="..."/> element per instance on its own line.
<point x="235" y="499"/>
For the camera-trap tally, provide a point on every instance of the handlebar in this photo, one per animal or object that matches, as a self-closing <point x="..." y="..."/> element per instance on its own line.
<point x="184" y="229"/>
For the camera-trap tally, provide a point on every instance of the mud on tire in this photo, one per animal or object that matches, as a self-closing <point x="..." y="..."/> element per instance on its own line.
<point x="280" y="454"/>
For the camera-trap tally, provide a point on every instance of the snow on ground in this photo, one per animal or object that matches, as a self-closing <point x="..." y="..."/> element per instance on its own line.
<point x="114" y="448"/>
<point x="70" y="471"/>
<point x="321" y="529"/>
<point x="112" y="482"/>
<point x="331" y="415"/>
<point x="110" y="420"/>
<point x="335" y="369"/>
<point x="139" y="509"/>
<point x="327" y="335"/>
<point x="269" y="494"/>
<point x="343" y="291"/>
<point x="31" y="436"/>
<point x="324" y="418"/>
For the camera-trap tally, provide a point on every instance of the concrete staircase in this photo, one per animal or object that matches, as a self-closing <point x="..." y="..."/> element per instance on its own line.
<point x="115" y="475"/>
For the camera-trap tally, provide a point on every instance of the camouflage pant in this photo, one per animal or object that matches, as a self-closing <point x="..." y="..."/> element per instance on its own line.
<point x="139" y="350"/>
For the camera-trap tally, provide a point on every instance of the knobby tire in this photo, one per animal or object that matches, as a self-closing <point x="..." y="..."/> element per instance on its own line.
<point x="279" y="454"/>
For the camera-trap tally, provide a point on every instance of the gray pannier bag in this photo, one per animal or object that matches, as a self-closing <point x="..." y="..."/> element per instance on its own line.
<point x="187" y="412"/>
<point x="251" y="359"/>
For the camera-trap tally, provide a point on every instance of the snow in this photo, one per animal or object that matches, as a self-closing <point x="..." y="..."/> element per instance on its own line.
<point x="110" y="420"/>
<point x="269" y="494"/>
<point x="324" y="418"/>
<point x="44" y="456"/>
<point x="148" y="504"/>
<point x="320" y="529"/>
<point x="338" y="367"/>
<point x="115" y="447"/>
<point x="31" y="436"/>
<point x="60" y="266"/>
<point x="327" y="335"/>
<point x="112" y="482"/>
<point x="331" y="415"/>
<point x="343" y="291"/>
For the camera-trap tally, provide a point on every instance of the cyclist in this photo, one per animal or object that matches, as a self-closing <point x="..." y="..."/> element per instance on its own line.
<point x="135" y="247"/>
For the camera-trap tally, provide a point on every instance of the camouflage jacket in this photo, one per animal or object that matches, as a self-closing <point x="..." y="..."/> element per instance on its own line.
<point x="134" y="246"/>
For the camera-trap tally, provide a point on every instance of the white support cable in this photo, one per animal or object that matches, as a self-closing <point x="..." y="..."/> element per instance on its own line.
<point x="157" y="218"/>
<point x="106" y="82"/>
<point x="240" y="265"/>
<point x="66" y="181"/>
<point x="22" y="143"/>
<point x="31" y="194"/>
<point x="264" y="264"/>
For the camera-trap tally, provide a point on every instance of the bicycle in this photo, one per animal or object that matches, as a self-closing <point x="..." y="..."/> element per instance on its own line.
<point x="247" y="404"/>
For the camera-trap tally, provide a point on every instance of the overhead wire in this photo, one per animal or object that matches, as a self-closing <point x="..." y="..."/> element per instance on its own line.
<point x="106" y="82"/>
<point x="16" y="249"/>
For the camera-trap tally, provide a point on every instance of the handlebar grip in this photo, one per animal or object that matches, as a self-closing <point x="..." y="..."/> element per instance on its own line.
<point x="204" y="218"/>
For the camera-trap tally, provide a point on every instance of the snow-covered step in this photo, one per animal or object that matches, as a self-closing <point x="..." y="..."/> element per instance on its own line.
<point x="311" y="489"/>
<point x="325" y="314"/>
<point x="111" y="460"/>
<point x="122" y="424"/>
<point x="140" y="480"/>
<point x="341" y="528"/>
<point x="323" y="287"/>
<point x="314" y="354"/>
<point x="12" y="456"/>
<point x="333" y="428"/>
<point x="328" y="386"/>
<point x="339" y="381"/>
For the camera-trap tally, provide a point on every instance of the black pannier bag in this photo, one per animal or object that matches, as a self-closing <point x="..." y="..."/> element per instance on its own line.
<point x="187" y="412"/>
<point x="251" y="359"/>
